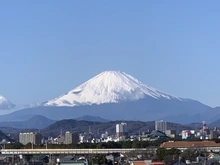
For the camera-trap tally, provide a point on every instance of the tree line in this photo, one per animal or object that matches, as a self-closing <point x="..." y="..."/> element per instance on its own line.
<point x="102" y="145"/>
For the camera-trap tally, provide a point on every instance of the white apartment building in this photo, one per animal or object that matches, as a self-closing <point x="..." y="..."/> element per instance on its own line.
<point x="161" y="125"/>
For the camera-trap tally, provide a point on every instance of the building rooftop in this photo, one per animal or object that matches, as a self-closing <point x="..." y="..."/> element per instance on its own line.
<point x="139" y="163"/>
<point x="185" y="144"/>
<point x="157" y="163"/>
<point x="157" y="134"/>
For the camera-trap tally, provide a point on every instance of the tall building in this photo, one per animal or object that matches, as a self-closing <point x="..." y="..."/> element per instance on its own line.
<point x="30" y="137"/>
<point x="71" y="137"/>
<point x="161" y="125"/>
<point x="121" y="130"/>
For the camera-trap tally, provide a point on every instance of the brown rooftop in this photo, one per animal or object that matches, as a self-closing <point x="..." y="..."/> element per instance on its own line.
<point x="157" y="163"/>
<point x="139" y="163"/>
<point x="187" y="144"/>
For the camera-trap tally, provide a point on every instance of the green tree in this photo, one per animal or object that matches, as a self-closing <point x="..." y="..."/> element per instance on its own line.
<point x="99" y="159"/>
<point x="136" y="144"/>
<point x="29" y="146"/>
<point x="126" y="144"/>
<point x="163" y="153"/>
<point x="15" y="145"/>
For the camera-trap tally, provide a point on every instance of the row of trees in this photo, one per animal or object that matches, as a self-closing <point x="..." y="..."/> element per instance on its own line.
<point x="121" y="144"/>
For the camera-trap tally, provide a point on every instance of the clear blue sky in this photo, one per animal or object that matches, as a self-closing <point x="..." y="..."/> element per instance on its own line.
<point x="49" y="47"/>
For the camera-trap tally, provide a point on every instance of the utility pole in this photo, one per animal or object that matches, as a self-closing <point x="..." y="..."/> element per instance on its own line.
<point x="179" y="162"/>
<point x="205" y="159"/>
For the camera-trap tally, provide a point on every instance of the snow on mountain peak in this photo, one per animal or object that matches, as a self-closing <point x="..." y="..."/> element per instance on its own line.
<point x="108" y="87"/>
<point x="5" y="104"/>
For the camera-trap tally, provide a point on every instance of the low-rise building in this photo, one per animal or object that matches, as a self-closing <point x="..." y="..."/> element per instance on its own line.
<point x="171" y="133"/>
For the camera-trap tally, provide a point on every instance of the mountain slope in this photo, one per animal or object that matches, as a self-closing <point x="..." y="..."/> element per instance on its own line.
<point x="37" y="122"/>
<point x="92" y="118"/>
<point x="4" y="137"/>
<point x="134" y="127"/>
<point x="116" y="96"/>
<point x="5" y="103"/>
<point x="145" y="110"/>
<point x="108" y="87"/>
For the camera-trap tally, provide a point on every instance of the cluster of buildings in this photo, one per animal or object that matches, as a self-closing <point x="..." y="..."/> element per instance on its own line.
<point x="37" y="138"/>
<point x="203" y="133"/>
<point x="161" y="131"/>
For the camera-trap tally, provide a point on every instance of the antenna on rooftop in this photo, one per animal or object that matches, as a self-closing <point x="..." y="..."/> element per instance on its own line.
<point x="204" y="129"/>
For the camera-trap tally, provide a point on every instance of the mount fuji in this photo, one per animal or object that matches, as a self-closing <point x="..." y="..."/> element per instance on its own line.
<point x="115" y="95"/>
<point x="108" y="87"/>
<point x="5" y="103"/>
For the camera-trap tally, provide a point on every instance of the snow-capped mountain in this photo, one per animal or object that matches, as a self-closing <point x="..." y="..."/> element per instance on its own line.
<point x="116" y="96"/>
<point x="5" y="103"/>
<point x="108" y="87"/>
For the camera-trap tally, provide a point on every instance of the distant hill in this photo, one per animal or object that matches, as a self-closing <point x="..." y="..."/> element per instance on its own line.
<point x="211" y="125"/>
<point x="82" y="126"/>
<point x="215" y="124"/>
<point x="134" y="127"/>
<point x="92" y="118"/>
<point x="3" y="136"/>
<point x="37" y="122"/>
<point x="195" y="125"/>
